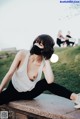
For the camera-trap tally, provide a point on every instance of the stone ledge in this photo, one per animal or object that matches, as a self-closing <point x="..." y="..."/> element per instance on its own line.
<point x="44" y="106"/>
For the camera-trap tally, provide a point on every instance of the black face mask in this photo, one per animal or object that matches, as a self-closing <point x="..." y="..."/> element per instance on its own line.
<point x="36" y="50"/>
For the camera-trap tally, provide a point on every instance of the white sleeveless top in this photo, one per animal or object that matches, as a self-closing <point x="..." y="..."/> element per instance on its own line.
<point x="20" y="79"/>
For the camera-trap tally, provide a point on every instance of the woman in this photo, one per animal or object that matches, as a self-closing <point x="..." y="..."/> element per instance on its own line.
<point x="68" y="36"/>
<point x="25" y="74"/>
<point x="59" y="37"/>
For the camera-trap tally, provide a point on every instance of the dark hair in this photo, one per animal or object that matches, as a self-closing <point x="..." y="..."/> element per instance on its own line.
<point x="48" y="43"/>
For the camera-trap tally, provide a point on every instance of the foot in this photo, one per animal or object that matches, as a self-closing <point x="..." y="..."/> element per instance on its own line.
<point x="77" y="106"/>
<point x="77" y="101"/>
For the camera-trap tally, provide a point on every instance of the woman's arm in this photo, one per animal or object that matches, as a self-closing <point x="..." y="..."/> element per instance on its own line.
<point x="62" y="37"/>
<point x="11" y="71"/>
<point x="47" y="70"/>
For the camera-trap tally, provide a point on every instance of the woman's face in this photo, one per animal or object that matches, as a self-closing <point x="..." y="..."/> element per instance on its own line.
<point x="37" y="48"/>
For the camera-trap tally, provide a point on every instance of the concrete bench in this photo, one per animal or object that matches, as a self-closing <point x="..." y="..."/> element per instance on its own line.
<point x="44" y="106"/>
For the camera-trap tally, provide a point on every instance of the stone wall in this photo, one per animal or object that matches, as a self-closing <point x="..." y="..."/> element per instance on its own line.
<point x="17" y="114"/>
<point x="43" y="107"/>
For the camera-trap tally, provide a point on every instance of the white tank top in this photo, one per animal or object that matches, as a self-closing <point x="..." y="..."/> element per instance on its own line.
<point x="20" y="79"/>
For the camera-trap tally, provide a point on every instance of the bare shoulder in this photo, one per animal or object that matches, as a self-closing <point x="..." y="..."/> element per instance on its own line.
<point x="22" y="53"/>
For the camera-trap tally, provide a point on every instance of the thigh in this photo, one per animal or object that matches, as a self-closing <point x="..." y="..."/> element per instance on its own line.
<point x="4" y="97"/>
<point x="38" y="89"/>
<point x="10" y="94"/>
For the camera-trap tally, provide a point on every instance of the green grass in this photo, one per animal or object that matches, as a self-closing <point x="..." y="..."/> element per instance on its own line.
<point x="66" y="70"/>
<point x="5" y="64"/>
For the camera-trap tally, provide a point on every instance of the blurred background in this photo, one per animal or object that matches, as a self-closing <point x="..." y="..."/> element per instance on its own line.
<point x="21" y="21"/>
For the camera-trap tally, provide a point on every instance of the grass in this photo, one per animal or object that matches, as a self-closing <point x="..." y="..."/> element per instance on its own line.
<point x="5" y="64"/>
<point x="66" y="70"/>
